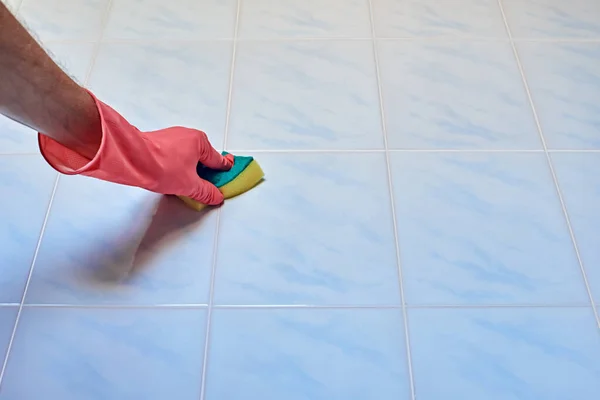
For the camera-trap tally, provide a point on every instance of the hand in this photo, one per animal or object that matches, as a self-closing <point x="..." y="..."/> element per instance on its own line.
<point x="162" y="161"/>
<point x="184" y="148"/>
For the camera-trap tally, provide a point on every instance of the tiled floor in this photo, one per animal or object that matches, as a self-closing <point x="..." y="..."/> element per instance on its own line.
<point x="428" y="228"/>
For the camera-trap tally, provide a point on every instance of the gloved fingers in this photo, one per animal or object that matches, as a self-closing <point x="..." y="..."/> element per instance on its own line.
<point x="206" y="193"/>
<point x="212" y="159"/>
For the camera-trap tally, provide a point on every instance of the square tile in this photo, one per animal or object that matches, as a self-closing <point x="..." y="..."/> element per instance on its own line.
<point x="483" y="228"/>
<point x="64" y="19"/>
<point x="564" y="81"/>
<point x="305" y="95"/>
<point x="431" y="18"/>
<point x="112" y="244"/>
<point x="8" y="315"/>
<point x="455" y="95"/>
<point x="307" y="354"/>
<point x="317" y="231"/>
<point x="553" y="18"/>
<point x="579" y="182"/>
<point x="501" y="354"/>
<point x="176" y="19"/>
<point x="73" y="354"/>
<point x="308" y="18"/>
<point x="26" y="184"/>
<point x="157" y="85"/>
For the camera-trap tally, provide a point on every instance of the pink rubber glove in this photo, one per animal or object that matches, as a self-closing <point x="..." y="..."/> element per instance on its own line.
<point x="162" y="161"/>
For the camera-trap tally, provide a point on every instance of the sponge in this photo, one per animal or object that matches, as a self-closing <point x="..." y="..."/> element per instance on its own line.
<point x="243" y="176"/>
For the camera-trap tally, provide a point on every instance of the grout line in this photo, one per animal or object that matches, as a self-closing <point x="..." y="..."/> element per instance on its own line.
<point x="232" y="74"/>
<point x="491" y="306"/>
<point x="305" y="151"/>
<point x="574" y="151"/>
<point x="287" y="306"/>
<point x="29" y="275"/>
<point x="117" y="306"/>
<point x="392" y="204"/>
<point x="550" y="165"/>
<point x="393" y="150"/>
<point x="209" y="306"/>
<point x="327" y="39"/>
<point x="48" y="210"/>
<point x="325" y="151"/>
<point x="489" y="39"/>
<point x="213" y="272"/>
<point x="96" y="50"/>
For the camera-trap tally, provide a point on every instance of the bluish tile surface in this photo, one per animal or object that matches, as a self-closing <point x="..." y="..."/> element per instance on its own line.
<point x="565" y="84"/>
<point x="7" y="322"/>
<point x="553" y="18"/>
<point x="308" y="18"/>
<point x="109" y="244"/>
<point x="16" y="138"/>
<point x="432" y="18"/>
<point x="501" y="354"/>
<point x="299" y="95"/>
<point x="307" y="354"/>
<point x="454" y="95"/>
<point x="479" y="220"/>
<point x="75" y="354"/>
<point x="162" y="84"/>
<point x="64" y="19"/>
<point x="317" y="231"/>
<point x="483" y="229"/>
<point x="580" y="186"/>
<point x="176" y="19"/>
<point x="26" y="184"/>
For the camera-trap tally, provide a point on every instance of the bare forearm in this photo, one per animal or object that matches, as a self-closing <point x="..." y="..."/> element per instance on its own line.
<point x="36" y="92"/>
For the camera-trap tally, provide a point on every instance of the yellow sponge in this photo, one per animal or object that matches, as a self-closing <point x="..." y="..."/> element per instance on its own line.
<point x="243" y="176"/>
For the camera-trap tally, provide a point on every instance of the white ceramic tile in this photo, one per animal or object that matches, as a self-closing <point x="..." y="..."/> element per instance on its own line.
<point x="75" y="354"/>
<point x="299" y="95"/>
<point x="483" y="228"/>
<point x="429" y="18"/>
<point x="564" y="80"/>
<point x="113" y="244"/>
<point x="26" y="184"/>
<point x="64" y="19"/>
<point x="502" y="354"/>
<point x="175" y="19"/>
<point x="157" y="85"/>
<point x="553" y="18"/>
<point x="307" y="354"/>
<point x="307" y="18"/>
<point x="458" y="94"/>
<point x="317" y="231"/>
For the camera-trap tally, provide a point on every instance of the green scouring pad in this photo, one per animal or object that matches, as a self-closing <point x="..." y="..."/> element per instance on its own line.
<point x="243" y="176"/>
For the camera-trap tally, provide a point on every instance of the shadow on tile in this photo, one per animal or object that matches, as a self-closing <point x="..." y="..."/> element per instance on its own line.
<point x="135" y="247"/>
<point x="171" y="216"/>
